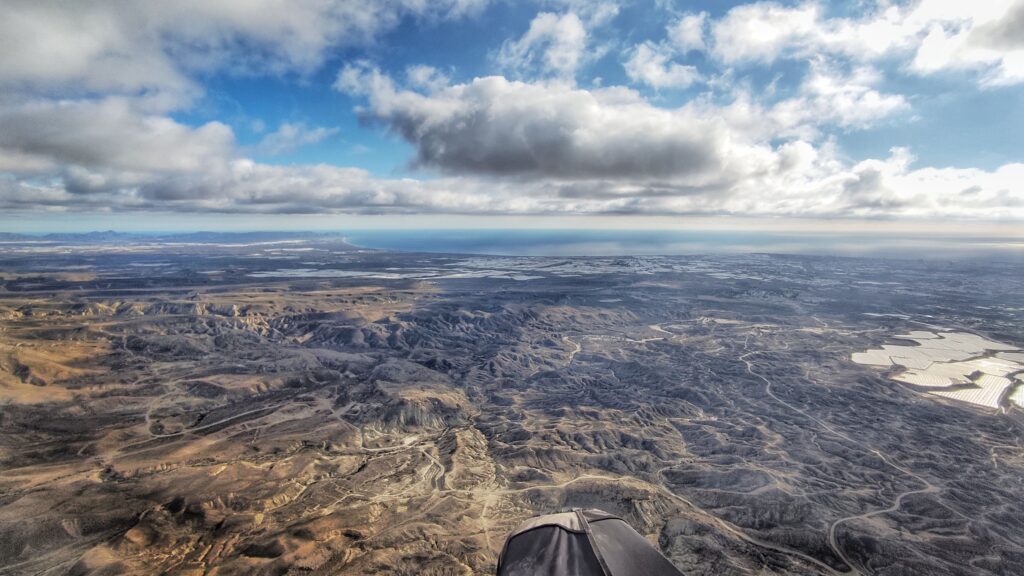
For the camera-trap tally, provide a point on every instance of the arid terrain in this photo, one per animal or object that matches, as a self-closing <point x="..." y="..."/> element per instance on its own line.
<point x="273" y="405"/>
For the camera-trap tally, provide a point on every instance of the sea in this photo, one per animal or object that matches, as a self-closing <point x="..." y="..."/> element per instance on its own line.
<point x="510" y="242"/>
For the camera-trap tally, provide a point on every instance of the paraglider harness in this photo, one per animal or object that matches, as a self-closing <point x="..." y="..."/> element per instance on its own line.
<point x="580" y="543"/>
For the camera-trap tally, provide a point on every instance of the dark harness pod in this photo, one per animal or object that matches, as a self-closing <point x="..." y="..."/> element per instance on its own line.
<point x="580" y="543"/>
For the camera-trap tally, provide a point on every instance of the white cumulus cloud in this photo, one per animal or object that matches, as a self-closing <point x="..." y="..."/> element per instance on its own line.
<point x="688" y="33"/>
<point x="932" y="35"/>
<point x="651" y="64"/>
<point x="553" y="46"/>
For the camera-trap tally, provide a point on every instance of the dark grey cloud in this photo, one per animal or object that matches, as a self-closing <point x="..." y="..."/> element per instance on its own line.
<point x="494" y="126"/>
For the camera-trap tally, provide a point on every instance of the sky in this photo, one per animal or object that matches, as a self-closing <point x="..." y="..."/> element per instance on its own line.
<point x="261" y="114"/>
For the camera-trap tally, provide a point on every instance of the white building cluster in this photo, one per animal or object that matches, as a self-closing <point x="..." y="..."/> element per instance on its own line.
<point x="955" y="365"/>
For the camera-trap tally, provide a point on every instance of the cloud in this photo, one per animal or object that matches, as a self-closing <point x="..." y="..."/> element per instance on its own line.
<point x="932" y="35"/>
<point x="290" y="136"/>
<point x="795" y="179"/>
<point x="687" y="34"/>
<point x="649" y="64"/>
<point x="426" y="77"/>
<point x="89" y="93"/>
<point x="991" y="42"/>
<point x="593" y="12"/>
<point x="829" y="96"/>
<point x="114" y="132"/>
<point x="245" y="186"/>
<point x="736" y="172"/>
<point x="610" y="150"/>
<point x="553" y="46"/>
<point x="499" y="127"/>
<point x="88" y="87"/>
<point x="493" y="126"/>
<point x="888" y="188"/>
<point x="761" y="32"/>
<point x="83" y="46"/>
<point x="125" y="47"/>
<point x="1005" y="32"/>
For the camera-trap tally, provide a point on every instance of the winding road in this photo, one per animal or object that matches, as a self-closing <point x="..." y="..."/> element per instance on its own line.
<point x="833" y="540"/>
